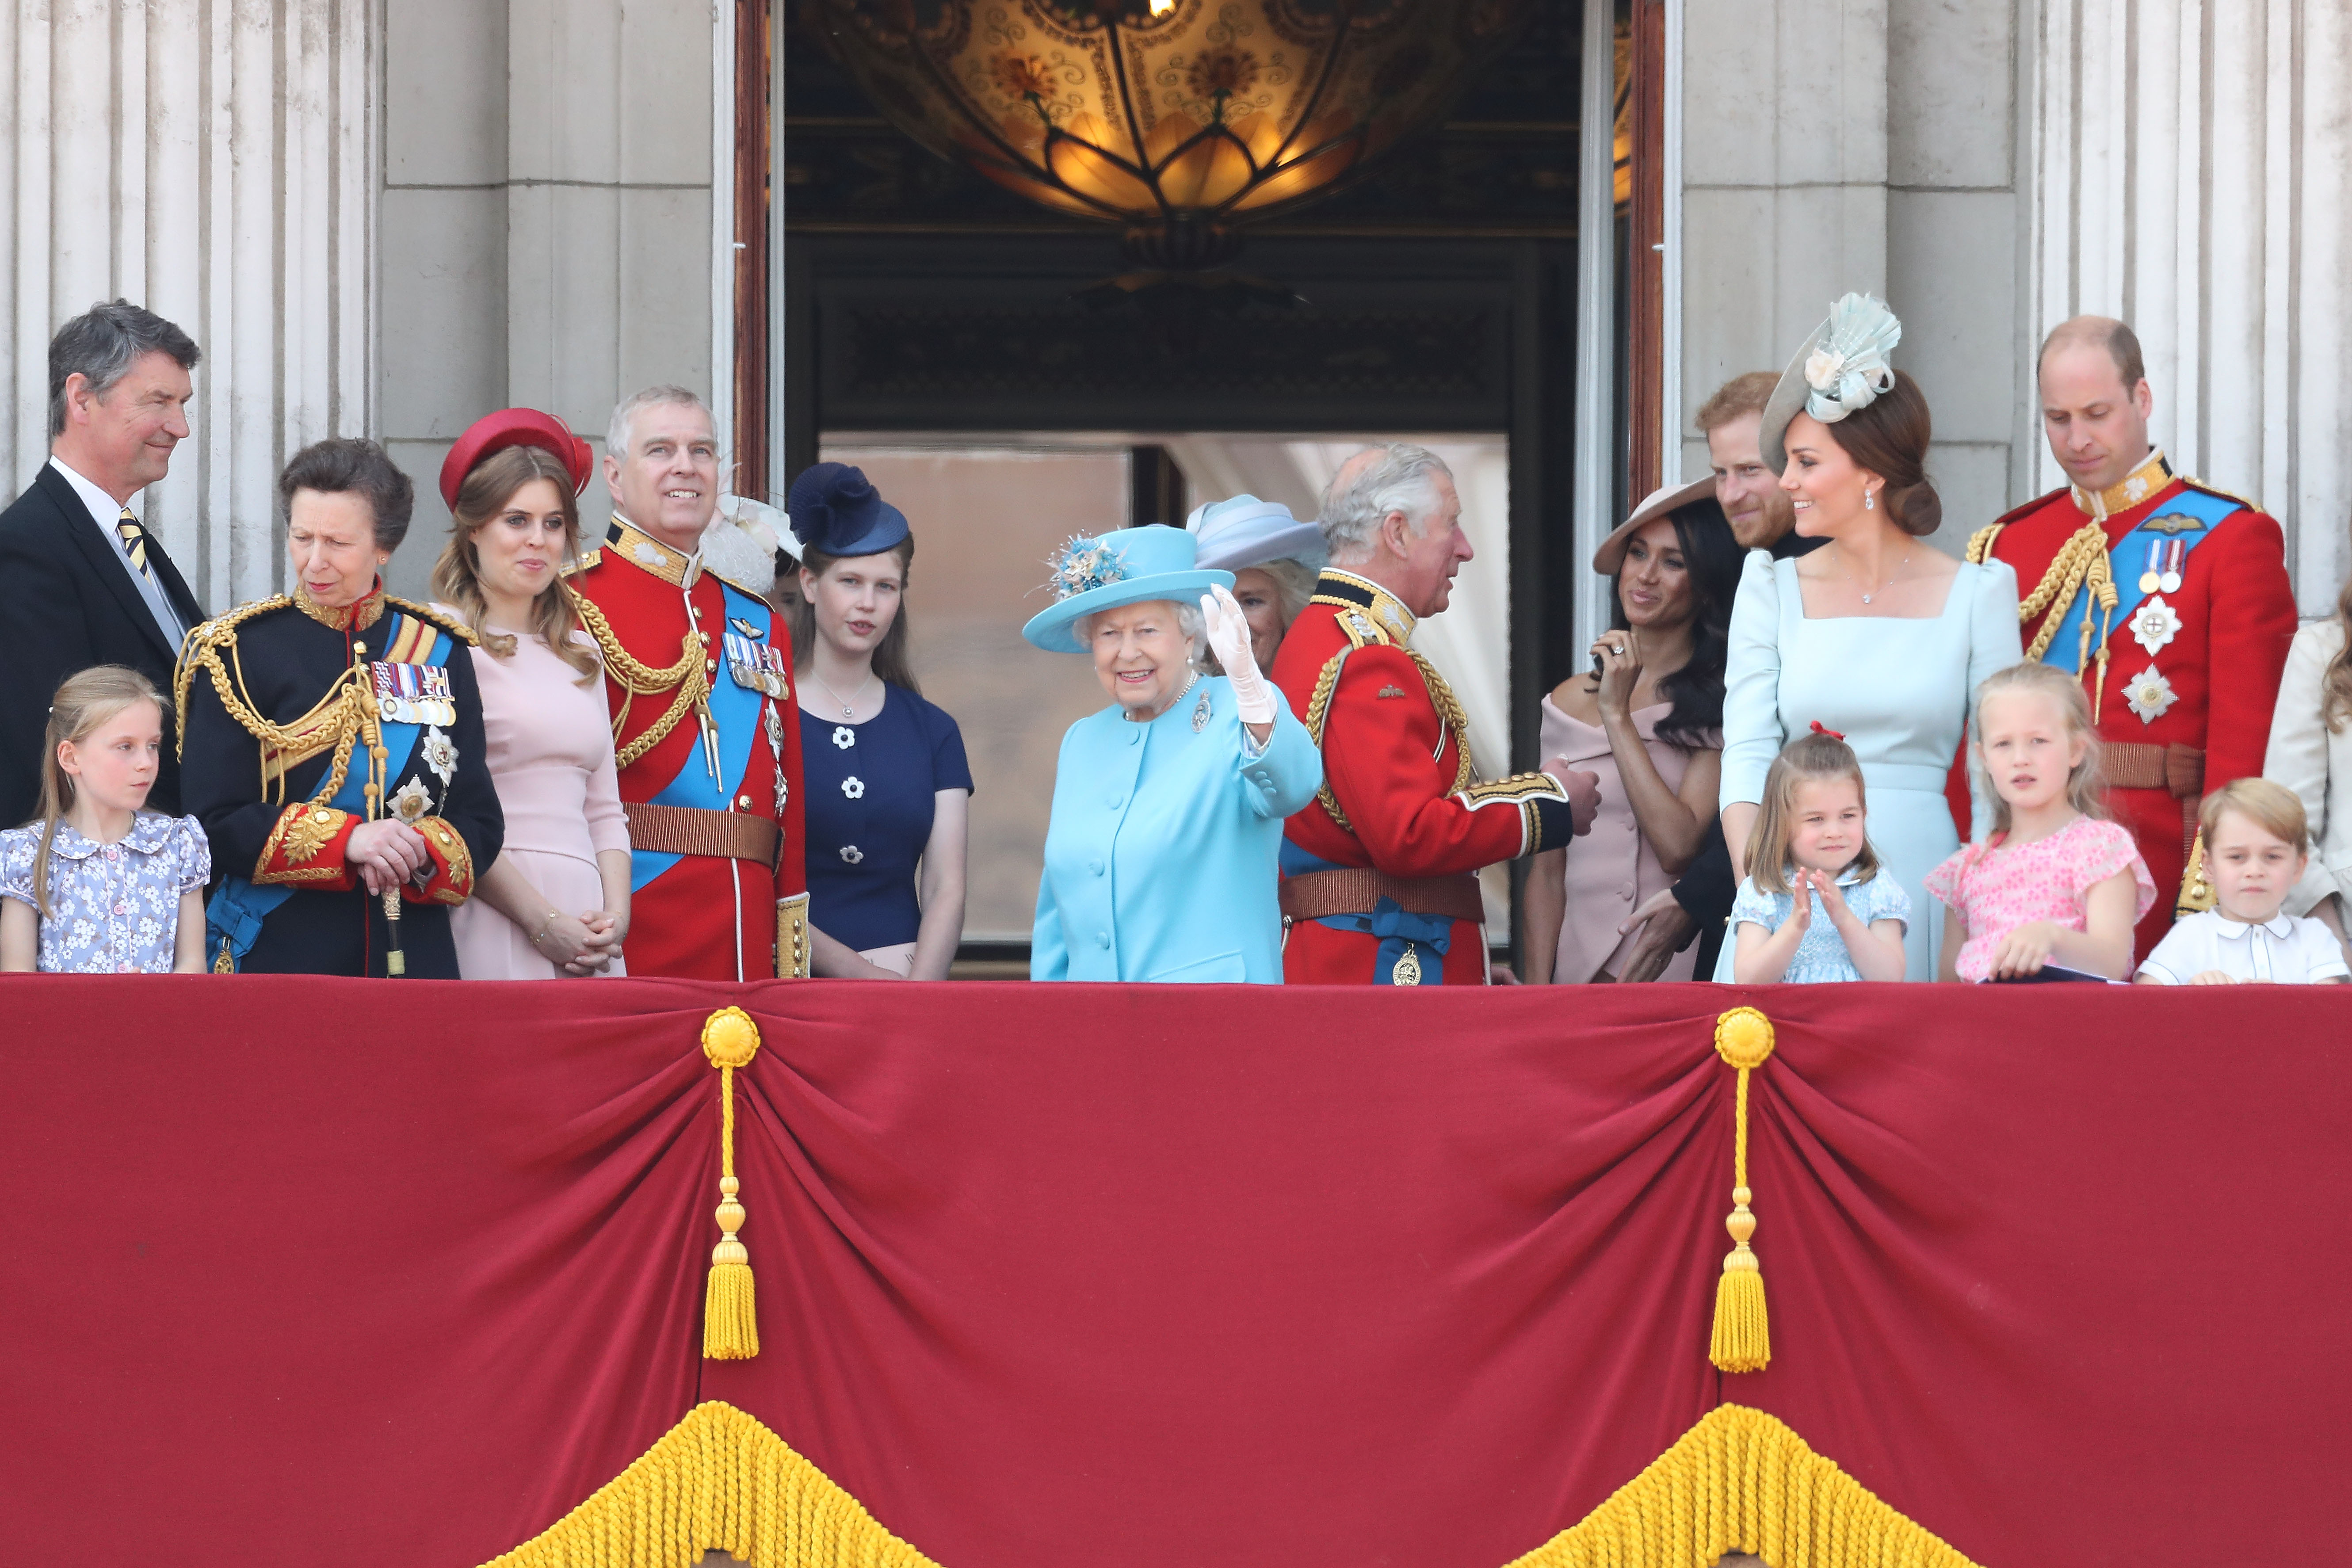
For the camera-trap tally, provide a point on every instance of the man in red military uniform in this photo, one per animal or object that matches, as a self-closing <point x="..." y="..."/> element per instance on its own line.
<point x="2168" y="597"/>
<point x="1378" y="872"/>
<point x="704" y="719"/>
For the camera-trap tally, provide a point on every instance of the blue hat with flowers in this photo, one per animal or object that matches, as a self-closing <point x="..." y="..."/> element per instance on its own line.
<point x="1128" y="567"/>
<point x="835" y="509"/>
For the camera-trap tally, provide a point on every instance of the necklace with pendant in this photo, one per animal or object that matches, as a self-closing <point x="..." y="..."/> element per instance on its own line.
<point x="848" y="712"/>
<point x="1890" y="581"/>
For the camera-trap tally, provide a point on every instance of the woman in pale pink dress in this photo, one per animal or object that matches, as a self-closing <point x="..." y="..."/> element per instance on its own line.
<point x="556" y="900"/>
<point x="1648" y="722"/>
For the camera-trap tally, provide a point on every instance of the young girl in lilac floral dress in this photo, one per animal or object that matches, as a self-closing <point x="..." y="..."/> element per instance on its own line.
<point x="2054" y="889"/>
<point x="99" y="885"/>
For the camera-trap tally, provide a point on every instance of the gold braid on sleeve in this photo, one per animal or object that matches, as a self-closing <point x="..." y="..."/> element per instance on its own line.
<point x="691" y="681"/>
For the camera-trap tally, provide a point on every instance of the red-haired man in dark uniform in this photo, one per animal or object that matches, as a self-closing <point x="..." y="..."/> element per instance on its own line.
<point x="1377" y="872"/>
<point x="2168" y="597"/>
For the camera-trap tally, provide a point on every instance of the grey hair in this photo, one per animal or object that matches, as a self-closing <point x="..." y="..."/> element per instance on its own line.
<point x="616" y="434"/>
<point x="101" y="344"/>
<point x="1401" y="478"/>
<point x="1188" y="622"/>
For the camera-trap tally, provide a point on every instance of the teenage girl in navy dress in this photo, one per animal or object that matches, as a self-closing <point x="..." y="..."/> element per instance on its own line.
<point x="889" y="790"/>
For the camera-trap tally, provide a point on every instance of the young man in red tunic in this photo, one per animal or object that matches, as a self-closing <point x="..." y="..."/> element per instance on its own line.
<point x="704" y="719"/>
<point x="1377" y="872"/>
<point x="2168" y="598"/>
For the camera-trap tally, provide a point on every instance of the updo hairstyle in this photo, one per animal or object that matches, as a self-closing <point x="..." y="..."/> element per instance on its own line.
<point x="1889" y="437"/>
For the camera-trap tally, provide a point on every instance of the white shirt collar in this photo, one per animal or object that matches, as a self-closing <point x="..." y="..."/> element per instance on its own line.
<point x="103" y="509"/>
<point x="2281" y="927"/>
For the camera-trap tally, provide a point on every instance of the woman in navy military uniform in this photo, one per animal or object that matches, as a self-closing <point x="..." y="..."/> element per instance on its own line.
<point x="331" y="746"/>
<point x="888" y="788"/>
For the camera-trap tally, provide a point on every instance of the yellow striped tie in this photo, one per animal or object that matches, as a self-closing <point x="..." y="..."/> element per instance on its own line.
<point x="135" y="543"/>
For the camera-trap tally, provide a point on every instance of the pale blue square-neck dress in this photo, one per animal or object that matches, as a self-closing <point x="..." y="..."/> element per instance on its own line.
<point x="1900" y="689"/>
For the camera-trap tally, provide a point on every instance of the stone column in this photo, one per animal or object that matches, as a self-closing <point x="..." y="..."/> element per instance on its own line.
<point x="2194" y="166"/>
<point x="214" y="164"/>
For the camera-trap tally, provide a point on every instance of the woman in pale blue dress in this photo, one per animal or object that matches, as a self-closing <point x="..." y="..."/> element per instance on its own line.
<point x="1878" y="634"/>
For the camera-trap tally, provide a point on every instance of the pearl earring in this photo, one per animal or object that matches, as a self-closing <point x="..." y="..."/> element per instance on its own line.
<point x="1869" y="502"/>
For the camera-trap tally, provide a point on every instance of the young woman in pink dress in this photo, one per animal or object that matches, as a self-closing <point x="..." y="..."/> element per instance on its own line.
<point x="556" y="900"/>
<point x="1648" y="722"/>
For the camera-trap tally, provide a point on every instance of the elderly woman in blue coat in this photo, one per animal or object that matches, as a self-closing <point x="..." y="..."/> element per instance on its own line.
<point x="1168" y="805"/>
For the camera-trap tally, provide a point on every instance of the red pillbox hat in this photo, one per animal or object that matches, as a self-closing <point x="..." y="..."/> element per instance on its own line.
<point x="514" y="427"/>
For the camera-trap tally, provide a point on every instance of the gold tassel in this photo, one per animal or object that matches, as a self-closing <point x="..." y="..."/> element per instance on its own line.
<point x="1742" y="1340"/>
<point x="731" y="1328"/>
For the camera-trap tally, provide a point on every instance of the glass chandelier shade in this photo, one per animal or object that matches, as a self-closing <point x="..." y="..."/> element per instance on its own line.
<point x="1178" y="119"/>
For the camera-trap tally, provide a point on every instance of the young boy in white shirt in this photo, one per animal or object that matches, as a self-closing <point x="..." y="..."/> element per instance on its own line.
<point x="2256" y="842"/>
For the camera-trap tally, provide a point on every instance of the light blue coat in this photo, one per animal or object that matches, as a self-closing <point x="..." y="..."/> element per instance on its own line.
<point x="1161" y="856"/>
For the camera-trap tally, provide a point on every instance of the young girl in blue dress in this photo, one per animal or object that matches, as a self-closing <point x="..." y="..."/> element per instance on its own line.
<point x="99" y="885"/>
<point x="886" y="781"/>
<point x="1817" y="905"/>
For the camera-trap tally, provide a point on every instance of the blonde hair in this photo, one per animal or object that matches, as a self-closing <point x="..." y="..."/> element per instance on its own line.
<point x="84" y="702"/>
<point x="2335" y="685"/>
<point x="488" y="486"/>
<point x="2086" y="786"/>
<point x="2273" y="807"/>
<point x="1818" y="758"/>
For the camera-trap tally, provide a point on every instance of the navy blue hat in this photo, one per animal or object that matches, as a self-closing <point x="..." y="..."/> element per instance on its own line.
<point x="835" y="509"/>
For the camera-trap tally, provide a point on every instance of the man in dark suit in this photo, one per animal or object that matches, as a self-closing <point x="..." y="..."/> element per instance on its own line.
<point x="81" y="581"/>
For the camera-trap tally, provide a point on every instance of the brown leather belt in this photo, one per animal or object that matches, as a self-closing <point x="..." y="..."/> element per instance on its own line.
<point x="1356" y="890"/>
<point x="2178" y="770"/>
<point x="690" y="830"/>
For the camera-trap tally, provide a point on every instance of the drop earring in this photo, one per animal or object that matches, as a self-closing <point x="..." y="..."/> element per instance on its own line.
<point x="1869" y="502"/>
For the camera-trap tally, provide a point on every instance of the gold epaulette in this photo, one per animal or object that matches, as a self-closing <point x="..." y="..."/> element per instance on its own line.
<point x="1362" y="631"/>
<point x="585" y="561"/>
<point x="2198" y="484"/>
<point x="202" y="647"/>
<point x="427" y="613"/>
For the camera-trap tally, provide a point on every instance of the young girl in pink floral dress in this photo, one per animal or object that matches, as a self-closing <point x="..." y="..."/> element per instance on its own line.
<point x="2054" y="885"/>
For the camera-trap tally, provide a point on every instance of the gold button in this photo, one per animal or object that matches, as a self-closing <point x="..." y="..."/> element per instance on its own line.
<point x="745" y="800"/>
<point x="322" y="816"/>
<point x="710" y="664"/>
<point x="705" y="636"/>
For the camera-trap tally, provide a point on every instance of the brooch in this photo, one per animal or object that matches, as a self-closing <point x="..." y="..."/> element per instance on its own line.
<point x="2155" y="624"/>
<point x="440" y="754"/>
<point x="411" y="802"/>
<point x="1389" y="692"/>
<point x="775" y="726"/>
<point x="1201" y="714"/>
<point x="2150" y="694"/>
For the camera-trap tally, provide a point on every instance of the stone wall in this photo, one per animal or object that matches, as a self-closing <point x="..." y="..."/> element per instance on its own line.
<point x="547" y="220"/>
<point x="1830" y="145"/>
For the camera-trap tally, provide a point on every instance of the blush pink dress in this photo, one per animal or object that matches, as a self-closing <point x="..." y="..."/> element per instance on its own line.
<point x="551" y="758"/>
<point x="1997" y="887"/>
<point x="1613" y="868"/>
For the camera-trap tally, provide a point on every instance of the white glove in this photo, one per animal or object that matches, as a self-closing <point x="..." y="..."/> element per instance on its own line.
<point x="1229" y="640"/>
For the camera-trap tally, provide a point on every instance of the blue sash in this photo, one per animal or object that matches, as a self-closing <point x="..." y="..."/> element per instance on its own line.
<point x="234" y="916"/>
<point x="735" y="709"/>
<point x="1427" y="937"/>
<point x="2126" y="560"/>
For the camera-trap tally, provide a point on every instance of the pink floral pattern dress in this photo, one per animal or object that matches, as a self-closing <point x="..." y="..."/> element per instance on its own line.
<point x="1996" y="886"/>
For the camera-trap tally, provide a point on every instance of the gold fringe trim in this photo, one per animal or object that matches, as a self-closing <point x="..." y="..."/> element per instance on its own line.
<point x="718" y="1480"/>
<point x="1741" y="1480"/>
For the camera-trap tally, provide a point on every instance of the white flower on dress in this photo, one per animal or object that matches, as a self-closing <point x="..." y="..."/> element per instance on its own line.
<point x="851" y="854"/>
<point x="440" y="754"/>
<point x="854" y="787"/>
<point x="2155" y="624"/>
<point x="84" y="932"/>
<point x="2150" y="694"/>
<point x="844" y="736"/>
<point x="411" y="802"/>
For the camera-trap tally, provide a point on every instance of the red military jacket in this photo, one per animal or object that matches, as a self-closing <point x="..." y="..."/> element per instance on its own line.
<point x="1398" y="793"/>
<point x="706" y="725"/>
<point x="2200" y="671"/>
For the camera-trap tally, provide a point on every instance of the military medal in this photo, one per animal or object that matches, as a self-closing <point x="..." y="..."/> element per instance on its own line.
<point x="2155" y="624"/>
<point x="1407" y="968"/>
<point x="412" y="693"/>
<point x="440" y="754"/>
<point x="2150" y="694"/>
<point x="2176" y="551"/>
<point x="754" y="666"/>
<point x="2149" y="580"/>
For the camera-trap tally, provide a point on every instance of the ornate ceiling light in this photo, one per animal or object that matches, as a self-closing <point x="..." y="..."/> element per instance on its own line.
<point x="1177" y="119"/>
